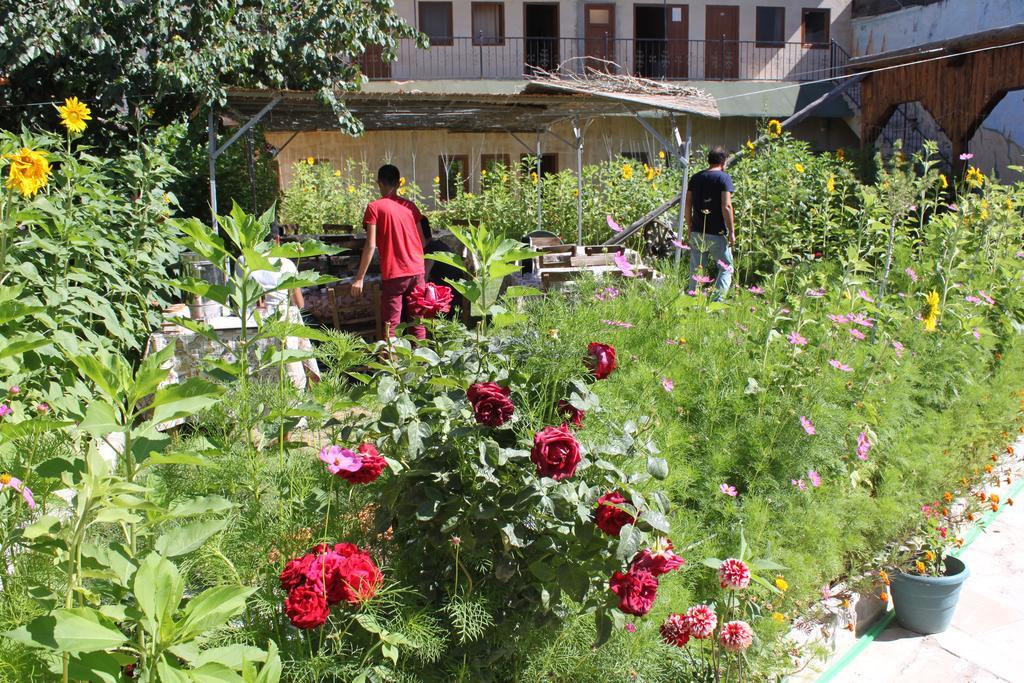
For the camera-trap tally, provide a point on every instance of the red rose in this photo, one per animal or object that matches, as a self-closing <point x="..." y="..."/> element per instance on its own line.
<point x="609" y="518"/>
<point x="491" y="405"/>
<point x="571" y="413"/>
<point x="371" y="468"/>
<point x="359" y="577"/>
<point x="637" y="590"/>
<point x="306" y="607"/>
<point x="555" y="452"/>
<point x="658" y="560"/>
<point x="295" y="571"/>
<point x="427" y="300"/>
<point x="600" y="359"/>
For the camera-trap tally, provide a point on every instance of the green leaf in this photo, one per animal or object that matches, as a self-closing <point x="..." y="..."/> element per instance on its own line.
<point x="657" y="467"/>
<point x="100" y="419"/>
<point x="11" y="431"/>
<point x="158" y="588"/>
<point x="199" y="506"/>
<point x="603" y="627"/>
<point x="712" y="562"/>
<point x="543" y="570"/>
<point x="516" y="291"/>
<point x="629" y="543"/>
<point x="211" y="609"/>
<point x="169" y="673"/>
<point x="101" y="667"/>
<point x="20" y="345"/>
<point x="75" y="630"/>
<point x="657" y="521"/>
<point x="46" y="526"/>
<point x="176" y="459"/>
<point x="760" y="565"/>
<point x="508" y="536"/>
<point x="188" y="537"/>
<point x="231" y="656"/>
<point x="185" y="399"/>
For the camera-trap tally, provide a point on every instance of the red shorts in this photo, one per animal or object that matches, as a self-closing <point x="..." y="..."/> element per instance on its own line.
<point x="393" y="309"/>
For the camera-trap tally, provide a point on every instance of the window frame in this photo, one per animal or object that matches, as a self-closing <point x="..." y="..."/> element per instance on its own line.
<point x="445" y="41"/>
<point x="500" y="40"/>
<point x="503" y="159"/>
<point x="552" y="157"/>
<point x="803" y="27"/>
<point x="757" y="24"/>
<point x="443" y="193"/>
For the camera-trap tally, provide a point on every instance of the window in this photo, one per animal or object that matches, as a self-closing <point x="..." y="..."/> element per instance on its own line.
<point x="815" y="27"/>
<point x="488" y="23"/>
<point x="548" y="163"/>
<point x="771" y="26"/>
<point x="598" y="16"/>
<point x="436" y="22"/>
<point x="453" y="175"/>
<point x="638" y="157"/>
<point x="488" y="162"/>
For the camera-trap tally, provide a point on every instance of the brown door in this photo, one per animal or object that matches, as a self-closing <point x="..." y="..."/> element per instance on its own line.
<point x="599" y="34"/>
<point x="540" y="35"/>
<point x="372" y="63"/>
<point x="722" y="47"/>
<point x="677" y="37"/>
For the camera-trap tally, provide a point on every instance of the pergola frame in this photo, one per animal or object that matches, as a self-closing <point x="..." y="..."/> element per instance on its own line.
<point x="543" y="103"/>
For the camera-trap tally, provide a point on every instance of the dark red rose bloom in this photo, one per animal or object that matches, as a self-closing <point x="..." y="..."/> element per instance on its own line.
<point x="571" y="413"/>
<point x="555" y="452"/>
<point x="359" y="577"/>
<point x="373" y="465"/>
<point x="637" y="590"/>
<point x="600" y="359"/>
<point x="611" y="519"/>
<point x="295" y="571"/>
<point x="306" y="607"/>
<point x="491" y="405"/>
<point x="428" y="299"/>
<point x="658" y="560"/>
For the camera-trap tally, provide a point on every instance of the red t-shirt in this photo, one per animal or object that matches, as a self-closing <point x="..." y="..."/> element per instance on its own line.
<point x="398" y="236"/>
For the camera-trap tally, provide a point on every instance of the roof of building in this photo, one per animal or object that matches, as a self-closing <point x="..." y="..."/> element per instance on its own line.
<point x="995" y="37"/>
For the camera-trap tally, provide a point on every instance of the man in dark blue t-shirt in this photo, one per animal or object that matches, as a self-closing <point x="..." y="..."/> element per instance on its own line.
<point x="711" y="231"/>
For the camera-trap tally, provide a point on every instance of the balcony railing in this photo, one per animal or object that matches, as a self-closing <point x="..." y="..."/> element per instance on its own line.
<point x="516" y="58"/>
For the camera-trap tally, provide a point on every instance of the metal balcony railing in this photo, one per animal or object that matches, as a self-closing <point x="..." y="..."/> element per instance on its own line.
<point x="516" y="58"/>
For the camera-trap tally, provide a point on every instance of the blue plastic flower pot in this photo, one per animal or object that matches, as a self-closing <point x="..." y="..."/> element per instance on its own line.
<point x="925" y="604"/>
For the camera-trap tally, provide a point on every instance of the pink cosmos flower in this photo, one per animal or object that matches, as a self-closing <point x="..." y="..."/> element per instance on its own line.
<point x="43" y="407"/>
<point x="857" y="334"/>
<point x="805" y="422"/>
<point x="14" y="390"/>
<point x="841" y="367"/>
<point x="623" y="264"/>
<point x="724" y="266"/>
<point x="815" y="293"/>
<point x="679" y="245"/>
<point x="613" y="225"/>
<point x="799" y="483"/>
<point x="5" y="410"/>
<point x="692" y="292"/>
<point x="863" y="446"/>
<point x="976" y="333"/>
<point x="1019" y="254"/>
<point x="703" y="279"/>
<point x="814" y="478"/>
<point x="630" y="628"/>
<point x="736" y="636"/>
<point x="989" y="300"/>
<point x="9" y="482"/>
<point x="912" y="274"/>
<point x="700" y="621"/>
<point x="971" y="299"/>
<point x="826" y="592"/>
<point x="742" y="327"/>
<point x="728" y="490"/>
<point x="667" y="384"/>
<point x="755" y="290"/>
<point x="838" y="319"/>
<point x="863" y="294"/>
<point x="966" y="156"/>
<point x="784" y="311"/>
<point x="899" y="349"/>
<point x="733" y="574"/>
<point x="796" y="339"/>
<point x="340" y="459"/>
<point x="860" y="319"/>
<point x="618" y="323"/>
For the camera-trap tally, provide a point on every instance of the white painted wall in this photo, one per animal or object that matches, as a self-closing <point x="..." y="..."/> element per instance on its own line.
<point x="924" y="24"/>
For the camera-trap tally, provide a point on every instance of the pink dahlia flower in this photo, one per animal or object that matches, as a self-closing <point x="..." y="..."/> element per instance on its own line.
<point x="700" y="621"/>
<point x="736" y="636"/>
<point x="733" y="574"/>
<point x="674" y="630"/>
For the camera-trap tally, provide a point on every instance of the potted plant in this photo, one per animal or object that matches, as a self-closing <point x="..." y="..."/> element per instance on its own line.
<point x="927" y="577"/>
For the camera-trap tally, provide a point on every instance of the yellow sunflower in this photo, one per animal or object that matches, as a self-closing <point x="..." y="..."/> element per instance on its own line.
<point x="943" y="181"/>
<point x="974" y="177"/>
<point x="74" y="114"/>
<point x="775" y="128"/>
<point x="931" y="311"/>
<point x="799" y="168"/>
<point x="30" y="171"/>
<point x="841" y="154"/>
<point x="751" y="146"/>
<point x="831" y="184"/>
<point x="661" y="154"/>
<point x="627" y="171"/>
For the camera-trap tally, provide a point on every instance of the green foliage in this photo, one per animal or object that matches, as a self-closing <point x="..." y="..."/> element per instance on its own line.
<point x="172" y="56"/>
<point x="84" y="264"/>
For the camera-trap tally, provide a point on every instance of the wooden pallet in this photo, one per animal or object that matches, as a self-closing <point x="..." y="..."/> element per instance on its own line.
<point x="359" y="315"/>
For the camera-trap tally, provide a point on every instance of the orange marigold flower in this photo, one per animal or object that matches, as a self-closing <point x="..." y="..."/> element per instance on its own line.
<point x="948" y="497"/>
<point x="883" y="596"/>
<point x="959" y="543"/>
<point x="988" y="469"/>
<point x="995" y="458"/>
<point x="970" y="516"/>
<point x="993" y="498"/>
<point x="846" y="604"/>
<point x="884" y="576"/>
<point x="995" y="507"/>
<point x="849" y="627"/>
<point x="921" y="568"/>
<point x="1009" y="501"/>
<point x="929" y="556"/>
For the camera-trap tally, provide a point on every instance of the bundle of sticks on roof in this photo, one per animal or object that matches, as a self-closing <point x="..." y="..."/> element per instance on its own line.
<point x="610" y="77"/>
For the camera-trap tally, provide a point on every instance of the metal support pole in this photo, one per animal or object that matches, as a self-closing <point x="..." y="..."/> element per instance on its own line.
<point x="684" y="150"/>
<point x="578" y="132"/>
<point x="538" y="182"/>
<point x="250" y="164"/>
<point x="211" y="123"/>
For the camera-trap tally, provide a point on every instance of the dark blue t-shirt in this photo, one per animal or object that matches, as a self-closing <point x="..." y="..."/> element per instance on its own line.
<point x="707" y="188"/>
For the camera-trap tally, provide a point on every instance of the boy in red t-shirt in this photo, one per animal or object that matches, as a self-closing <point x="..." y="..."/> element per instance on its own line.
<point x="393" y="226"/>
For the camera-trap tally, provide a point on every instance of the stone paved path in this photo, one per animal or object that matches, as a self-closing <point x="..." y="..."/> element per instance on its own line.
<point x="985" y="642"/>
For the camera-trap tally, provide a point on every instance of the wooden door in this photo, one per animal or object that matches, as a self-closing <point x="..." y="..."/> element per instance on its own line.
<point x="373" y="65"/>
<point x="540" y="35"/>
<point x="677" y="37"/>
<point x="599" y="34"/>
<point x="722" y="47"/>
